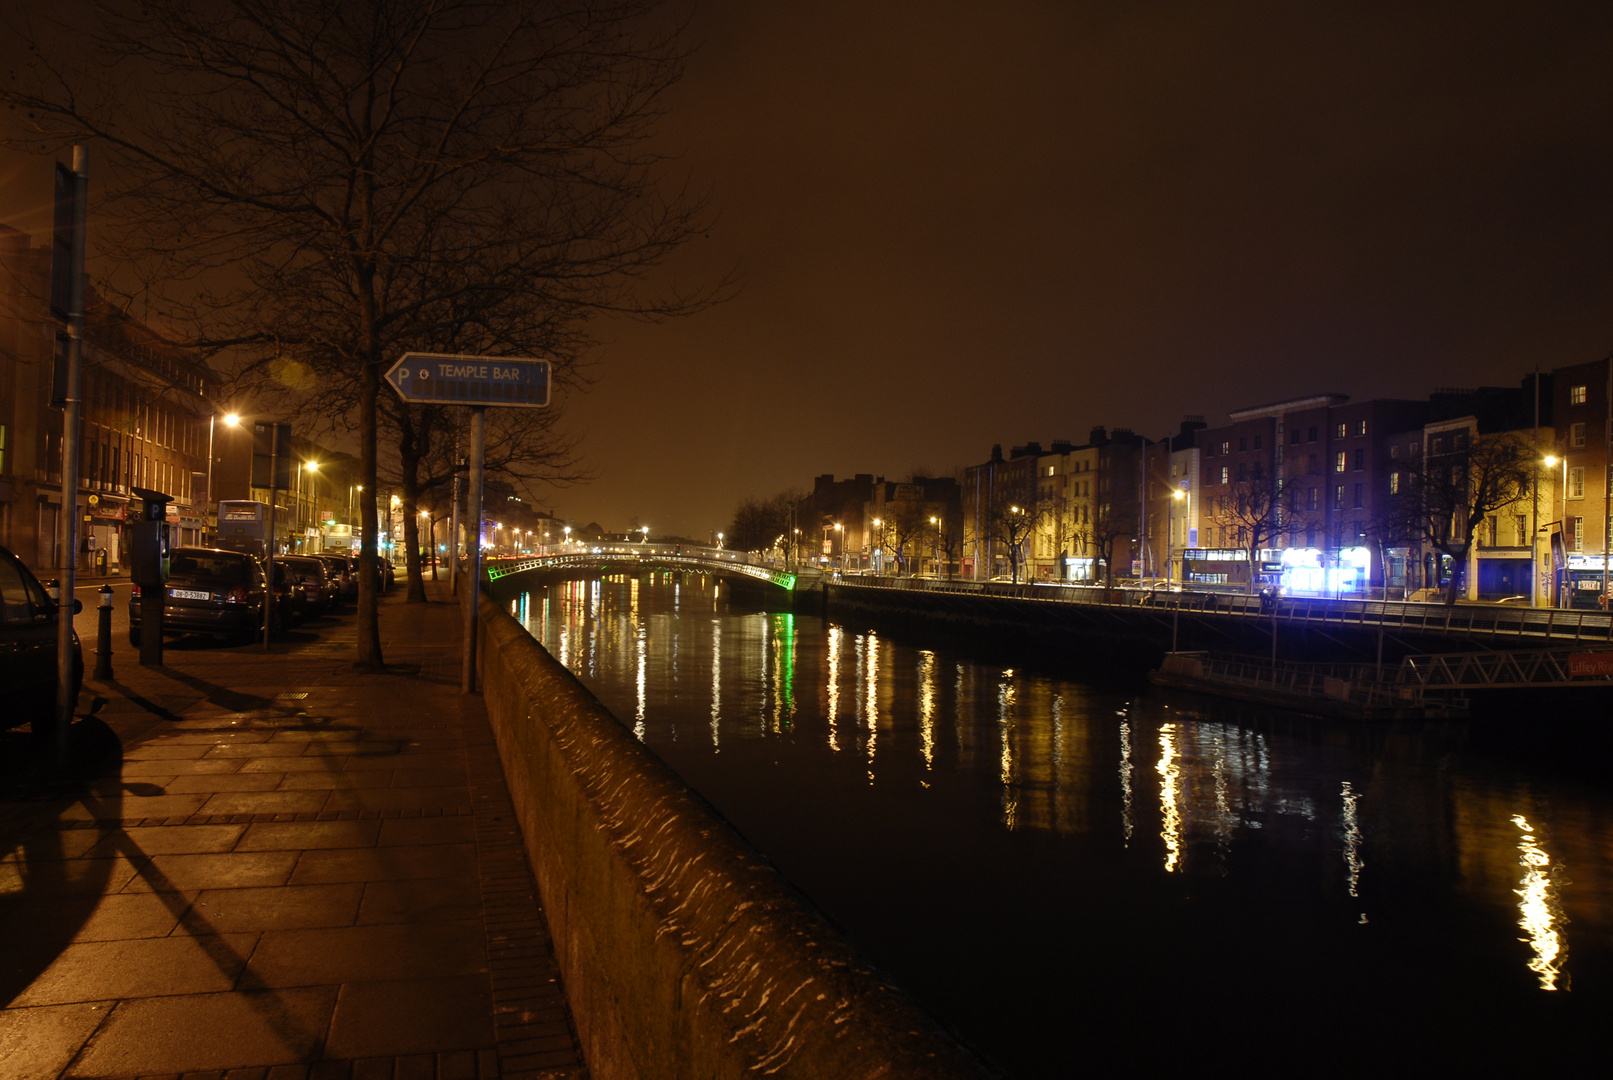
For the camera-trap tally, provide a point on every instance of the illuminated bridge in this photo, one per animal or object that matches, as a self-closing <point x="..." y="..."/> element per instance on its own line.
<point x="640" y="558"/>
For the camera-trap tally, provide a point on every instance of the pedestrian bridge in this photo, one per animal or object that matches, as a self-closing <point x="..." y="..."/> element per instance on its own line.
<point x="651" y="557"/>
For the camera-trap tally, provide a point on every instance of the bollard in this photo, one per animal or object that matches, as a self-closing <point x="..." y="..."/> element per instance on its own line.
<point x="103" y="636"/>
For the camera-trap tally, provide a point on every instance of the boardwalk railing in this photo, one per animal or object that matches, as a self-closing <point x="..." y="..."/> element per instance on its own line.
<point x="1459" y="620"/>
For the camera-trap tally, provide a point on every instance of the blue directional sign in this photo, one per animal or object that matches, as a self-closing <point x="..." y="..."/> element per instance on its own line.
<point x="437" y="379"/>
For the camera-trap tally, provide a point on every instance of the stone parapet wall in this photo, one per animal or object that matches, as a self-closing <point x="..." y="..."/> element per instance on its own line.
<point x="684" y="953"/>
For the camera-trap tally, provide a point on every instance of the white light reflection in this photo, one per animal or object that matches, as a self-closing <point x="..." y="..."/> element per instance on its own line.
<point x="716" y="682"/>
<point x="1540" y="913"/>
<point x="927" y="706"/>
<point x="1352" y="840"/>
<point x="642" y="646"/>
<point x="834" y="686"/>
<point x="1125" y="781"/>
<point x="1170" y="775"/>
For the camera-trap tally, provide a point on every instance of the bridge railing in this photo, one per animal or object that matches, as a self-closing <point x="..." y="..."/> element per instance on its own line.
<point x="1552" y="624"/>
<point x="701" y="559"/>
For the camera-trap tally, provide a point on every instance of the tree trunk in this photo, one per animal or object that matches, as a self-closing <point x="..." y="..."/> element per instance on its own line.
<point x="412" y="446"/>
<point x="369" y="625"/>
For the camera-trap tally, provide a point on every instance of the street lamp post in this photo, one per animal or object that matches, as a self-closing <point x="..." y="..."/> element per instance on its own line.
<point x="840" y="541"/>
<point x="1177" y="495"/>
<point x="879" y="545"/>
<point x="936" y="559"/>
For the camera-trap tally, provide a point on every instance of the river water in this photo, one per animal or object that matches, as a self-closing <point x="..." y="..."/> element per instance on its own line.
<point x="1068" y="875"/>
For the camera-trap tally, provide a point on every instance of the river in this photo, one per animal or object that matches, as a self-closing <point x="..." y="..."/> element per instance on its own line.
<point x="1067" y="874"/>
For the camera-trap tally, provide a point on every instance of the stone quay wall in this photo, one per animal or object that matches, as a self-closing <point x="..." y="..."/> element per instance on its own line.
<point x="684" y="953"/>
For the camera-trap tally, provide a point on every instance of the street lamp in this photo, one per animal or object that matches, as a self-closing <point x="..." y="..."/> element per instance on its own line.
<point x="937" y="559"/>
<point x="567" y="531"/>
<point x="719" y="541"/>
<point x="645" y="529"/>
<point x="841" y="543"/>
<point x="1177" y="495"/>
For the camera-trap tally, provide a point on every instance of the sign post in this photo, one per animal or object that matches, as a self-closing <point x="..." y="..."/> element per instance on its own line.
<point x="67" y="276"/>
<point x="476" y="381"/>
<point x="271" y="468"/>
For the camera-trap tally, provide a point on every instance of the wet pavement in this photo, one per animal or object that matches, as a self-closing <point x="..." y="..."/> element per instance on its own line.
<point x="274" y="866"/>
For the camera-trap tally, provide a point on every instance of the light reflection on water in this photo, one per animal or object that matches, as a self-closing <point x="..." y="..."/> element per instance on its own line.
<point x="1256" y="824"/>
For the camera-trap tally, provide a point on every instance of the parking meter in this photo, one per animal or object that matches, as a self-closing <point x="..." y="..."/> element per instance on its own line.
<point x="148" y="569"/>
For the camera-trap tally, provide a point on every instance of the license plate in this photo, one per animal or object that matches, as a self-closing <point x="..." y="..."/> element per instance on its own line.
<point x="190" y="594"/>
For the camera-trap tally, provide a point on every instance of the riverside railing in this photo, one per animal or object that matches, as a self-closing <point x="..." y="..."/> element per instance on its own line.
<point x="1471" y="620"/>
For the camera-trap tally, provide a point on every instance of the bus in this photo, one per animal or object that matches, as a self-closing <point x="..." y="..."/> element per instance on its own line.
<point x="243" y="526"/>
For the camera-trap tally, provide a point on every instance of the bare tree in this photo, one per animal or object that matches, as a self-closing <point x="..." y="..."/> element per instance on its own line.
<point x="1253" y="514"/>
<point x="759" y="524"/>
<point x="1459" y="480"/>
<point x="1017" y="510"/>
<point x="312" y="187"/>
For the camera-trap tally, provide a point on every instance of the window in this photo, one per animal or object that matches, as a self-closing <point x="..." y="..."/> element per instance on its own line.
<point x="1360" y="460"/>
<point x="1259" y="439"/>
<point x="1341" y="461"/>
<point x="1576" y="483"/>
<point x="1293" y="437"/>
<point x="1359" y="494"/>
<point x="1360" y="427"/>
<point x="1521" y="525"/>
<point x="1243" y="444"/>
<point x="1342" y="431"/>
<point x="1394" y="483"/>
<point x="1243" y="472"/>
<point x="1224" y="474"/>
<point x="1338" y="497"/>
<point x="1576" y="395"/>
<point x="1579" y="533"/>
<point x="1576" y="434"/>
<point x="1310" y="433"/>
<point x="1492" y="531"/>
<point x="1411" y="449"/>
<point x="1226" y="447"/>
<point x="1311" y="466"/>
<point x="1310" y="531"/>
<point x="1310" y="499"/>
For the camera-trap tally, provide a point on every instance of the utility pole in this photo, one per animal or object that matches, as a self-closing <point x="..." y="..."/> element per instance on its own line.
<point x="77" y="183"/>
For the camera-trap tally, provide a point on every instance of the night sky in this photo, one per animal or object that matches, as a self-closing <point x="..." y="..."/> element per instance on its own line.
<point x="959" y="224"/>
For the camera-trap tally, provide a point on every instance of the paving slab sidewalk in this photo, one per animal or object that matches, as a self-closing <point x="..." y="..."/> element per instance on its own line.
<point x="277" y="868"/>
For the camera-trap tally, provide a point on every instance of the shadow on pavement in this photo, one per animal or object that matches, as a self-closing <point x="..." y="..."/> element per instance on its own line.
<point x="46" y="891"/>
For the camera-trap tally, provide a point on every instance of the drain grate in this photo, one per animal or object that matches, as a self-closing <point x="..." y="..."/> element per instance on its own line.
<point x="292" y="695"/>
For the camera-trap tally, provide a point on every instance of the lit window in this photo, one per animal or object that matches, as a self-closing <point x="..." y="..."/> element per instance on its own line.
<point x="1225" y="471"/>
<point x="1341" y="461"/>
<point x="1226" y="447"/>
<point x="1394" y="483"/>
<point x="1342" y="431"/>
<point x="1576" y="395"/>
<point x="1579" y="533"/>
<point x="1576" y="434"/>
<point x="1338" y="497"/>
<point x="1310" y="504"/>
<point x="1576" y="482"/>
<point x="1360" y="427"/>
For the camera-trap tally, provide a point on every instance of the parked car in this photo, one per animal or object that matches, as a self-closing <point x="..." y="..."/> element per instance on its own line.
<point x="345" y="571"/>
<point x="290" y="602"/>
<point x="314" y="577"/>
<point x="209" y="591"/>
<point x="28" y="627"/>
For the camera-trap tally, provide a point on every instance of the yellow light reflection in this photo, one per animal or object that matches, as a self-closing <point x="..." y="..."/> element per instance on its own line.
<point x="1540" y="913"/>
<point x="1170" y="776"/>
<point x="871" y="709"/>
<point x="1005" y="726"/>
<point x="927" y="706"/>
<point x="834" y="686"/>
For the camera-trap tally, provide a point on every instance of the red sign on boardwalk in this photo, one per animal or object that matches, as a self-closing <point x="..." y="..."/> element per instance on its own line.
<point x="1587" y="665"/>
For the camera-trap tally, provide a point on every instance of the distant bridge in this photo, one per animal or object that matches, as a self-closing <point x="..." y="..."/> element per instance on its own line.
<point x="650" y="557"/>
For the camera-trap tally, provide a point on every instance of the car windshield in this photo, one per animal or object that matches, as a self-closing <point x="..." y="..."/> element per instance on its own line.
<point x="306" y="566"/>
<point x="217" y="564"/>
